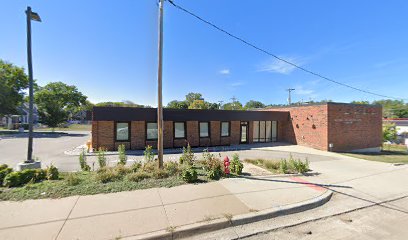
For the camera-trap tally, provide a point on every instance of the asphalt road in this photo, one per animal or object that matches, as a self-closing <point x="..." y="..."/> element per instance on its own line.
<point x="48" y="148"/>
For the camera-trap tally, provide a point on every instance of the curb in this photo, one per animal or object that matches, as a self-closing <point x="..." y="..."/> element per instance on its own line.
<point x="217" y="224"/>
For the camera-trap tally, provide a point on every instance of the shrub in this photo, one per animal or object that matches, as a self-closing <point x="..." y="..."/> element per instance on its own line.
<point x="172" y="168"/>
<point x="148" y="154"/>
<point x="52" y="173"/>
<point x="138" y="176"/>
<point x="150" y="166"/>
<point x="15" y="179"/>
<point x="4" y="172"/>
<point x="101" y="157"/>
<point x="3" y="166"/>
<point x="189" y="174"/>
<point x="271" y="164"/>
<point x="236" y="165"/>
<point x="187" y="156"/>
<point x="82" y="162"/>
<point x="122" y="170"/>
<point x="214" y="167"/>
<point x="297" y="166"/>
<point x="135" y="167"/>
<point x="122" y="154"/>
<point x="160" y="173"/>
<point x="283" y="166"/>
<point x="72" y="179"/>
<point x="108" y="174"/>
<point x="207" y="155"/>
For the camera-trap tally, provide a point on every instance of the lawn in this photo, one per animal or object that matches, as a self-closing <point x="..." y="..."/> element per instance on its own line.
<point x="72" y="127"/>
<point x="389" y="154"/>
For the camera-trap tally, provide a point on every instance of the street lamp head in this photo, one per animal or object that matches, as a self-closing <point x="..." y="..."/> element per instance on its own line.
<point x="33" y="15"/>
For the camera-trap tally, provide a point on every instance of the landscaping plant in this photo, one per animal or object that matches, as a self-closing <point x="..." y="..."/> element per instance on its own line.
<point x="16" y="179"/>
<point x="187" y="156"/>
<point x="189" y="174"/>
<point x="148" y="154"/>
<point x="101" y="157"/>
<point x="4" y="170"/>
<point x="236" y="165"/>
<point x="122" y="154"/>
<point x="82" y="162"/>
<point x="52" y="173"/>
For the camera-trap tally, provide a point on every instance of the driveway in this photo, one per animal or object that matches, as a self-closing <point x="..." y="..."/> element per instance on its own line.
<point x="47" y="147"/>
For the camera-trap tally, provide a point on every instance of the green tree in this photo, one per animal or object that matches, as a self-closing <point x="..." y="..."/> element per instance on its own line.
<point x="56" y="101"/>
<point x="124" y="103"/>
<point x="190" y="97"/>
<point x="389" y="132"/>
<point x="393" y="108"/>
<point x="254" y="104"/>
<point x="177" y="104"/>
<point x="236" y="105"/>
<point x="13" y="81"/>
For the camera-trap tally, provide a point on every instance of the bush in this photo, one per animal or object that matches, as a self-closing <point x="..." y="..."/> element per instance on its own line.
<point x="297" y="166"/>
<point x="187" y="156"/>
<point x="150" y="166"/>
<point x="160" y="173"/>
<point x="122" y="170"/>
<point x="101" y="157"/>
<point x="214" y="167"/>
<point x="108" y="174"/>
<point x="72" y="179"/>
<point x="148" y="154"/>
<point x="236" y="165"/>
<point x="189" y="174"/>
<point x="3" y="172"/>
<point x="172" y="168"/>
<point x="135" y="167"/>
<point x="272" y="164"/>
<point x="82" y="162"/>
<point x="52" y="173"/>
<point x="15" y="179"/>
<point x="283" y="166"/>
<point x="122" y="154"/>
<point x="138" y="176"/>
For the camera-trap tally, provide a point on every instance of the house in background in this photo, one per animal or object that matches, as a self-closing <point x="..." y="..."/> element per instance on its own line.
<point x="401" y="125"/>
<point x="325" y="126"/>
<point x="11" y="121"/>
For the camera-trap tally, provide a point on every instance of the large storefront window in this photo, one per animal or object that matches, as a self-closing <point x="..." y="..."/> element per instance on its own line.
<point x="204" y="129"/>
<point x="179" y="130"/>
<point x="151" y="131"/>
<point x="225" y="129"/>
<point x="265" y="131"/>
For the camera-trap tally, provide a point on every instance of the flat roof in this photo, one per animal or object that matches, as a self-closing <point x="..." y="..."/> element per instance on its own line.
<point x="150" y="114"/>
<point x="322" y="103"/>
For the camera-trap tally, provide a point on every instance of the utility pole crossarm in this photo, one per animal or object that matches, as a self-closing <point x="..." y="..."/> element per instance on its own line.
<point x="290" y="97"/>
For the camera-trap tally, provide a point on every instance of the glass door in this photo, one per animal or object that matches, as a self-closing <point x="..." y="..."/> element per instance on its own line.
<point x="244" y="132"/>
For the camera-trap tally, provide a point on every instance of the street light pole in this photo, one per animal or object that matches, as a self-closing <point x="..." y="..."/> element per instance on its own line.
<point x="30" y="16"/>
<point x="159" y="79"/>
<point x="290" y="97"/>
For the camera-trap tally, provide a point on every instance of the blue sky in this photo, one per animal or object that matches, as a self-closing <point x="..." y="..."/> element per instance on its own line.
<point x="108" y="49"/>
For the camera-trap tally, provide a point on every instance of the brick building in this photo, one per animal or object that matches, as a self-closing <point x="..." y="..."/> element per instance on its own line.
<point x="328" y="126"/>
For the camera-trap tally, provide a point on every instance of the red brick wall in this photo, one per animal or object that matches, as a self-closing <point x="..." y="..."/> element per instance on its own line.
<point x="138" y="134"/>
<point x="167" y="134"/>
<point x="104" y="136"/>
<point x="354" y="127"/>
<point x="215" y="133"/>
<point x="192" y="133"/>
<point x="235" y="132"/>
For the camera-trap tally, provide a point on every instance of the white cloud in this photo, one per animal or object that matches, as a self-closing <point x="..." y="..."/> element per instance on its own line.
<point x="224" y="71"/>
<point x="236" y="84"/>
<point x="278" y="66"/>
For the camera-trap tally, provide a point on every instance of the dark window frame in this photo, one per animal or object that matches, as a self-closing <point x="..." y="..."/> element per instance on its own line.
<point x="174" y="130"/>
<point x="229" y="128"/>
<point x="116" y="134"/>
<point x="259" y="131"/>
<point x="150" y="139"/>
<point x="208" y="130"/>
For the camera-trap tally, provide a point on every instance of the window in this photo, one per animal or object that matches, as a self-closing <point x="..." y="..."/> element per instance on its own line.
<point x="151" y="131"/>
<point x="265" y="131"/>
<point x="179" y="130"/>
<point x="122" y="131"/>
<point x="225" y="129"/>
<point x="204" y="129"/>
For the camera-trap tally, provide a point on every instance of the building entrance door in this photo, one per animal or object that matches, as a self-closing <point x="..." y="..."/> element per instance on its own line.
<point x="244" y="132"/>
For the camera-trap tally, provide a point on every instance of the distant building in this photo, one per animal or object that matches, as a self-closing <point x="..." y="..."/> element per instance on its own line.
<point x="401" y="124"/>
<point x="10" y="121"/>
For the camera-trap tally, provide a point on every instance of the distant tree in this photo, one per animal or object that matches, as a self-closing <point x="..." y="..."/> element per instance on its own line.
<point x="254" y="104"/>
<point x="393" y="108"/>
<point x="13" y="81"/>
<point x="190" y="97"/>
<point x="56" y="101"/>
<point x="198" y="104"/>
<point x="236" y="105"/>
<point x="360" y="102"/>
<point x="124" y="103"/>
<point x="389" y="132"/>
<point x="213" y="106"/>
<point x="177" y="104"/>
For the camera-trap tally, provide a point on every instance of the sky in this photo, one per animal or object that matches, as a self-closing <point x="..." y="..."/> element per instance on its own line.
<point x="108" y="49"/>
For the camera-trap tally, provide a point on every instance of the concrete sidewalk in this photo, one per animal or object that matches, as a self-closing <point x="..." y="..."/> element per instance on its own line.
<point x="158" y="211"/>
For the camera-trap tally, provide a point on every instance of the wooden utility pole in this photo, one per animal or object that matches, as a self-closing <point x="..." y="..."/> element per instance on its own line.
<point x="290" y="97"/>
<point x="159" y="92"/>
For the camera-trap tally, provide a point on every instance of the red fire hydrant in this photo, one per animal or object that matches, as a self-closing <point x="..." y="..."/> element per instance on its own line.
<point x="226" y="165"/>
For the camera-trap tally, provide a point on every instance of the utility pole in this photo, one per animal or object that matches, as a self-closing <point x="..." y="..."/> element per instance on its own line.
<point x="234" y="99"/>
<point x="220" y="104"/>
<point x="289" y="97"/>
<point x="30" y="16"/>
<point x="159" y="92"/>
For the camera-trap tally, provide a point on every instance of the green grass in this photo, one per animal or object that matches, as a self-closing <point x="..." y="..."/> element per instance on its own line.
<point x="72" y="127"/>
<point x="282" y="166"/>
<point x="389" y="154"/>
<point x="87" y="185"/>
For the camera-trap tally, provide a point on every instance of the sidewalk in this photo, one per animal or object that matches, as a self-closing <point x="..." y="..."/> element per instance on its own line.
<point x="159" y="211"/>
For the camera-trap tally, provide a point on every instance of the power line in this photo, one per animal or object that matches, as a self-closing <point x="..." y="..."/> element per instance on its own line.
<point x="277" y="57"/>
